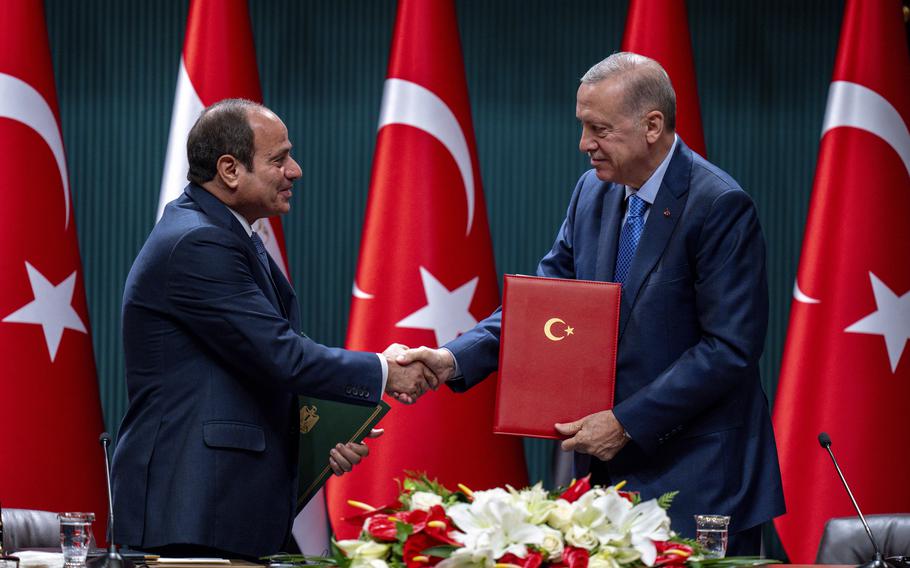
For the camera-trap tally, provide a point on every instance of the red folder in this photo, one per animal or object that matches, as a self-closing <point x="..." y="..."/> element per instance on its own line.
<point x="557" y="353"/>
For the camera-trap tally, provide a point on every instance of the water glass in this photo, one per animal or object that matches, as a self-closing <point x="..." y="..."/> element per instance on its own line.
<point x="711" y="533"/>
<point x="75" y="537"/>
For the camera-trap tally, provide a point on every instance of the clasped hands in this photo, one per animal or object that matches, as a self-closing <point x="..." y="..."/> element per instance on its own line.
<point x="414" y="372"/>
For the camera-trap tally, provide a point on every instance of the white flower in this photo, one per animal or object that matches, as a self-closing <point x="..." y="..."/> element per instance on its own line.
<point x="495" y="521"/>
<point x="536" y="502"/>
<point x="552" y="544"/>
<point x="560" y="516"/>
<point x="582" y="537"/>
<point x="364" y="553"/>
<point x="424" y="500"/>
<point x="644" y="523"/>
<point x="464" y="558"/>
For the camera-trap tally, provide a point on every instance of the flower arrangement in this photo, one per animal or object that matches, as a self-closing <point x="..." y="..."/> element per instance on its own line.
<point x="578" y="527"/>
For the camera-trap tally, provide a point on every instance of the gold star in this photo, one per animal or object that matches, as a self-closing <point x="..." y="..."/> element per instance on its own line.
<point x="570" y="330"/>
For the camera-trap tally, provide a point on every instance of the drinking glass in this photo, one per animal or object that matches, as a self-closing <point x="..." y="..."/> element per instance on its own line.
<point x="75" y="537"/>
<point x="711" y="533"/>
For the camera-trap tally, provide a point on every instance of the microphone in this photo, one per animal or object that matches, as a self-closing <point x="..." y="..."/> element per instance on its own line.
<point x="824" y="441"/>
<point x="112" y="559"/>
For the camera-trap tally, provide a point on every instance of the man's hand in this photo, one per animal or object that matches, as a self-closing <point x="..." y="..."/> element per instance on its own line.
<point x="343" y="457"/>
<point x="440" y="361"/>
<point x="599" y="434"/>
<point x="407" y="382"/>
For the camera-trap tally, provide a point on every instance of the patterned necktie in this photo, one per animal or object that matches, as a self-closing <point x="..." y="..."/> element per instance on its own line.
<point x="260" y="250"/>
<point x="264" y="260"/>
<point x="629" y="237"/>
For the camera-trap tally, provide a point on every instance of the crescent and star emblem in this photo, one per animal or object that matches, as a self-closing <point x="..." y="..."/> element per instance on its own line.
<point x="548" y="330"/>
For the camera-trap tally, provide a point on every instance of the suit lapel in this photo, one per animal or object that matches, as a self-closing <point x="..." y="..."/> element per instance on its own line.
<point x="611" y="219"/>
<point x="218" y="211"/>
<point x="670" y="198"/>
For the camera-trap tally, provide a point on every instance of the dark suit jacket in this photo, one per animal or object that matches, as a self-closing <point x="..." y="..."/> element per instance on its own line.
<point x="207" y="451"/>
<point x="692" y="327"/>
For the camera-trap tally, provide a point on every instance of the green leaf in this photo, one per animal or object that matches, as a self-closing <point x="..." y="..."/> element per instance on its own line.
<point x="403" y="531"/>
<point x="441" y="551"/>
<point x="665" y="500"/>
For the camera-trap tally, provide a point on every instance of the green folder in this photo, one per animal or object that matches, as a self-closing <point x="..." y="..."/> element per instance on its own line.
<point x="324" y="423"/>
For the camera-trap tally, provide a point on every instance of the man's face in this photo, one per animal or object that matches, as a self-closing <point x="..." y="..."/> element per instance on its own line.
<point x="612" y="137"/>
<point x="266" y="190"/>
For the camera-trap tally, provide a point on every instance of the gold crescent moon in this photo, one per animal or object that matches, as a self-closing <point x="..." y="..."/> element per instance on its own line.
<point x="549" y="333"/>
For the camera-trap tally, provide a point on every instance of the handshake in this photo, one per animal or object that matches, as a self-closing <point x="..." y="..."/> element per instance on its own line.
<point x="413" y="372"/>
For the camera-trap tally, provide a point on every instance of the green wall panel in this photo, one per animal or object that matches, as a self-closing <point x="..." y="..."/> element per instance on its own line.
<point x="763" y="70"/>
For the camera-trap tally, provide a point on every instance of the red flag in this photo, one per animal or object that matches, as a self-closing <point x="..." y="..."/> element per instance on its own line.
<point x="51" y="416"/>
<point x="659" y="29"/>
<point x="845" y="369"/>
<point x="219" y="62"/>
<point x="426" y="270"/>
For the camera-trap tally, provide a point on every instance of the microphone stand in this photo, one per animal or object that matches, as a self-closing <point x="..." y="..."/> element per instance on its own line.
<point x="879" y="560"/>
<point x="112" y="559"/>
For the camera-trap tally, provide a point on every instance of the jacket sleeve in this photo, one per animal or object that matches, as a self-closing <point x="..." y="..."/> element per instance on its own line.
<point x="211" y="291"/>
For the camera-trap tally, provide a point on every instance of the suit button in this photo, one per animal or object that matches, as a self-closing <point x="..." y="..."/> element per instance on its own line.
<point x="366" y="394"/>
<point x="347" y="390"/>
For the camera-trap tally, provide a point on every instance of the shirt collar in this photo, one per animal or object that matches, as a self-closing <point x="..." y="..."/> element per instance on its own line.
<point x="648" y="191"/>
<point x="243" y="222"/>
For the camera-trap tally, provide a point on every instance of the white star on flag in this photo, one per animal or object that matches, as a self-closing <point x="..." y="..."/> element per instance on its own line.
<point x="891" y="320"/>
<point x="52" y="308"/>
<point x="446" y="312"/>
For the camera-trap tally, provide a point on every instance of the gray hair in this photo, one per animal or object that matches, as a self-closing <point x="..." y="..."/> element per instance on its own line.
<point x="223" y="128"/>
<point x="647" y="85"/>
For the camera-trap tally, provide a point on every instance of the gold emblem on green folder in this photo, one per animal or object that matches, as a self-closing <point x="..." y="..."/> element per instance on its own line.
<point x="309" y="416"/>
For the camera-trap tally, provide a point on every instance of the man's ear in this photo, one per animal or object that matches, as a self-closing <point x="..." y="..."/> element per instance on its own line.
<point x="229" y="169"/>
<point x="654" y="126"/>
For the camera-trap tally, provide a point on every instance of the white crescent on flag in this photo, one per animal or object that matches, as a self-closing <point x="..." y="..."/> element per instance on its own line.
<point x="21" y="102"/>
<point x="851" y="104"/>
<point x="404" y="102"/>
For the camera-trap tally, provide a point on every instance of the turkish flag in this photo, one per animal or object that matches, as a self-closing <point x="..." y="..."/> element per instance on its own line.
<point x="51" y="416"/>
<point x="659" y="29"/>
<point x="426" y="270"/>
<point x="219" y="62"/>
<point x="846" y="369"/>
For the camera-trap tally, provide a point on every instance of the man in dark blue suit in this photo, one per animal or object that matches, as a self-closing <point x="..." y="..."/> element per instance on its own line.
<point x="684" y="240"/>
<point x="206" y="462"/>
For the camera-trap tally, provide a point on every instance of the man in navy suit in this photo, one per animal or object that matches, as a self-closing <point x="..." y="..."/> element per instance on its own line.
<point x="685" y="241"/>
<point x="206" y="461"/>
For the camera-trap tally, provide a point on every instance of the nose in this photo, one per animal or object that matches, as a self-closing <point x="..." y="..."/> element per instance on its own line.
<point x="586" y="144"/>
<point x="292" y="170"/>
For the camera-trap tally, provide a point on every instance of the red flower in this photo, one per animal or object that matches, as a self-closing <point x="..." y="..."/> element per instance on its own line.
<point x="572" y="558"/>
<point x="414" y="547"/>
<point x="359" y="517"/>
<point x="532" y="559"/>
<point x="629" y="496"/>
<point x="382" y="528"/>
<point x="671" y="554"/>
<point x="578" y="488"/>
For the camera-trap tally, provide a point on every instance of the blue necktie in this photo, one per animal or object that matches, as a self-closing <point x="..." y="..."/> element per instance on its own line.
<point x="260" y="251"/>
<point x="629" y="237"/>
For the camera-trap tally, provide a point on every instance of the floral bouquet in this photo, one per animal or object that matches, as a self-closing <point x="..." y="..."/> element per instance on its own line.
<point x="579" y="527"/>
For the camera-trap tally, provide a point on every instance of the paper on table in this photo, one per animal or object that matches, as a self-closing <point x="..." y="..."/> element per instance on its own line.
<point x="39" y="559"/>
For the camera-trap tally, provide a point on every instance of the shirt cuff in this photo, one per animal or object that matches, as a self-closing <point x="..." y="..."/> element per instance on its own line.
<point x="385" y="372"/>
<point x="457" y="374"/>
